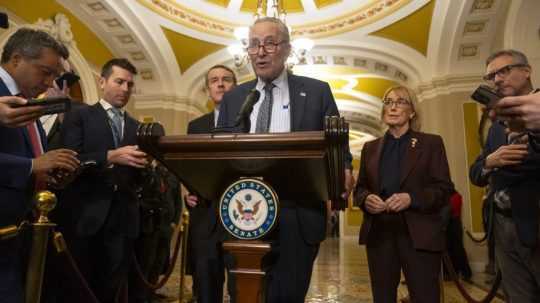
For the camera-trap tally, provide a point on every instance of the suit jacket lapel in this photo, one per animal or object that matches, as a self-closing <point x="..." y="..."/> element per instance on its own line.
<point x="102" y="121"/>
<point x="412" y="154"/>
<point x="211" y="122"/>
<point x="297" y="99"/>
<point x="373" y="164"/>
<point x="130" y="130"/>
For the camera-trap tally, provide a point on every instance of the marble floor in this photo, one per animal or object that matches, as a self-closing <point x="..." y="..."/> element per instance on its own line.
<point x="341" y="275"/>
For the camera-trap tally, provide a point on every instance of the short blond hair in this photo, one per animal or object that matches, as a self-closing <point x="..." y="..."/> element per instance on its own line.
<point x="409" y="95"/>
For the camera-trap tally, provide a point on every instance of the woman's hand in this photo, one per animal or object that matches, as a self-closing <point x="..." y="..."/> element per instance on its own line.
<point x="374" y="204"/>
<point x="398" y="202"/>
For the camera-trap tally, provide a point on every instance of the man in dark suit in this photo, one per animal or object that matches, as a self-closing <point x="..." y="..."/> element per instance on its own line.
<point x="206" y="233"/>
<point x="509" y="163"/>
<point x="287" y="103"/>
<point x="29" y="64"/>
<point x="100" y="211"/>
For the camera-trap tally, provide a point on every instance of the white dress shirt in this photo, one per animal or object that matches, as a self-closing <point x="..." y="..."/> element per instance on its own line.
<point x="106" y="106"/>
<point x="281" y="110"/>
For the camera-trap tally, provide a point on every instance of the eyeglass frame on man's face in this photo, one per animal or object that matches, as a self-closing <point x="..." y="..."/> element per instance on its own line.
<point x="401" y="102"/>
<point x="502" y="72"/>
<point x="255" y="48"/>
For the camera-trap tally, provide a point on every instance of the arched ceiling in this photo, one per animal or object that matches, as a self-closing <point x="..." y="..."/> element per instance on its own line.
<point x="362" y="47"/>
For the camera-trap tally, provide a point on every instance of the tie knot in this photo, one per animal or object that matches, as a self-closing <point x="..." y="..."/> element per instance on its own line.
<point x="269" y="87"/>
<point x="116" y="111"/>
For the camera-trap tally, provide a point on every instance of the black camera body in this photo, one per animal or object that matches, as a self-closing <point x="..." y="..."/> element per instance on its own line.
<point x="486" y="96"/>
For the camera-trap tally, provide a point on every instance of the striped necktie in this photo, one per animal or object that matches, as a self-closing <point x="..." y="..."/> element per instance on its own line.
<point x="265" y="111"/>
<point x="116" y="125"/>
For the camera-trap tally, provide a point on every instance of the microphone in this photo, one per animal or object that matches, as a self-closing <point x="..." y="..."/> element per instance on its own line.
<point x="4" y="20"/>
<point x="246" y="109"/>
<point x="242" y="118"/>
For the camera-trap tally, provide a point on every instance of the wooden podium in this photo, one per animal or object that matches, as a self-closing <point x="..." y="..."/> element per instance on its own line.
<point x="299" y="166"/>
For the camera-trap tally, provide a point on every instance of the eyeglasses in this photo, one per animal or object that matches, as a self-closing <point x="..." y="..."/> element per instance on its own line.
<point x="502" y="72"/>
<point x="269" y="47"/>
<point x="398" y="103"/>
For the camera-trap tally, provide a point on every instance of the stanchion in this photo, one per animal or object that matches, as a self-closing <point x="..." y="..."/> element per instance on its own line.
<point x="184" y="229"/>
<point x="45" y="202"/>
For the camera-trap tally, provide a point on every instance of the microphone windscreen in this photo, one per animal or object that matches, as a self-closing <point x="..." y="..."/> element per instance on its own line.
<point x="4" y="20"/>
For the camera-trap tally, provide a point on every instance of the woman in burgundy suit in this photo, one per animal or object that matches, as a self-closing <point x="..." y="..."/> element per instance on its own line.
<point x="403" y="183"/>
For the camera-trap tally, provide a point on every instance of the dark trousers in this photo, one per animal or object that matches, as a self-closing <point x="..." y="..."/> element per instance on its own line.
<point x="153" y="253"/>
<point x="13" y="266"/>
<point x="290" y="262"/>
<point x="390" y="250"/>
<point x="208" y="268"/>
<point x="104" y="261"/>
<point x="456" y="251"/>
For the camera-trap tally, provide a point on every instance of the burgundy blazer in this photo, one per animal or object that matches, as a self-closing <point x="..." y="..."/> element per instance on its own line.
<point x="424" y="175"/>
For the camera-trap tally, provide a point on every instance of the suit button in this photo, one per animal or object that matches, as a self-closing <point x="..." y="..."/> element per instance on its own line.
<point x="115" y="187"/>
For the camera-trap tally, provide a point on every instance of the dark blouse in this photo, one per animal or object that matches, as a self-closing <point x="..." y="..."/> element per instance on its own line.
<point x="390" y="163"/>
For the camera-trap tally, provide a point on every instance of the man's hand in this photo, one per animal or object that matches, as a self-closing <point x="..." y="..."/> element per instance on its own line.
<point x="20" y="116"/>
<point x="128" y="155"/>
<point x="374" y="204"/>
<point x="191" y="200"/>
<point x="506" y="155"/>
<point x="61" y="159"/>
<point x="519" y="110"/>
<point x="349" y="184"/>
<point x="398" y="202"/>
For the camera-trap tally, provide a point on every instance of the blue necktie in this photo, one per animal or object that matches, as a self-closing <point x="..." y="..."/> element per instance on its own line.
<point x="116" y="125"/>
<point x="265" y="111"/>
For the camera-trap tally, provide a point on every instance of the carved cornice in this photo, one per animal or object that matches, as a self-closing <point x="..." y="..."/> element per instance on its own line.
<point x="448" y="85"/>
<point x="178" y="13"/>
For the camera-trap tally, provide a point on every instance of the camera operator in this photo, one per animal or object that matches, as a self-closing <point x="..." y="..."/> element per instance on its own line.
<point x="509" y="166"/>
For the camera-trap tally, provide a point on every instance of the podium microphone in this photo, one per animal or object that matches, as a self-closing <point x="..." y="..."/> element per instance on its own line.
<point x="246" y="109"/>
<point x="4" y="20"/>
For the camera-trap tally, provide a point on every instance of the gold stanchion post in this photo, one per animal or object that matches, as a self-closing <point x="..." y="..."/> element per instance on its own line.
<point x="45" y="202"/>
<point x="184" y="229"/>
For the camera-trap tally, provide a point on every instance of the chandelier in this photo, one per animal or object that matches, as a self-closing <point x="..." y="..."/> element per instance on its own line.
<point x="300" y="47"/>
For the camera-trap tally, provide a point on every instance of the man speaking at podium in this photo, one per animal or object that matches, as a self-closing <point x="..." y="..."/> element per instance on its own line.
<point x="287" y="103"/>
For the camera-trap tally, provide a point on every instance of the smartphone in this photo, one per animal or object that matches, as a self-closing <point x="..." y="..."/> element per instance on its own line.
<point x="486" y="96"/>
<point x="51" y="105"/>
<point x="69" y="77"/>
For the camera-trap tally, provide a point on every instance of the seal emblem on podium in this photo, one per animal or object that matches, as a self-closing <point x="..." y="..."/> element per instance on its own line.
<point x="248" y="209"/>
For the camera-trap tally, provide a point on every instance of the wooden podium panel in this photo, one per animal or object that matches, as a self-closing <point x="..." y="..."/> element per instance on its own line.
<point x="300" y="166"/>
<point x="296" y="164"/>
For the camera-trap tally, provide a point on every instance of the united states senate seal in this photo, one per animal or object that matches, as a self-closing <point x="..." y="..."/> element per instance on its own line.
<point x="248" y="209"/>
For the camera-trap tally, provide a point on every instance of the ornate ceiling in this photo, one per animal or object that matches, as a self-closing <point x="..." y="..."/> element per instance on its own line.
<point x="362" y="47"/>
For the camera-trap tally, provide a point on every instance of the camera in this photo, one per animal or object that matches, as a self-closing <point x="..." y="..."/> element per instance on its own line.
<point x="485" y="96"/>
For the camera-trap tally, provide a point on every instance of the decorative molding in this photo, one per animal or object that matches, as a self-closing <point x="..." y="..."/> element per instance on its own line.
<point x="58" y="27"/>
<point x="448" y="85"/>
<point x="467" y="51"/>
<point x="149" y="102"/>
<point x="475" y="27"/>
<point x="482" y="5"/>
<point x="363" y="16"/>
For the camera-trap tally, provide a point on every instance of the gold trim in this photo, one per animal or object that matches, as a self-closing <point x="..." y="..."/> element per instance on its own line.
<point x="365" y="15"/>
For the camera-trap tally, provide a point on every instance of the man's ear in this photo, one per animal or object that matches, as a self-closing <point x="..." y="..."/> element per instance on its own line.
<point x="102" y="82"/>
<point x="16" y="59"/>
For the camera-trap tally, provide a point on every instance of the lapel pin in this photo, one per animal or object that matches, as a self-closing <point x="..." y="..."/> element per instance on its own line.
<point x="413" y="142"/>
<point x="303" y="94"/>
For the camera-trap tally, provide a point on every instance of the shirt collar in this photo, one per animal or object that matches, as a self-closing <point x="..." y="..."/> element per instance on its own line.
<point x="9" y="82"/>
<point x="404" y="137"/>
<point x="279" y="82"/>
<point x="106" y="106"/>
